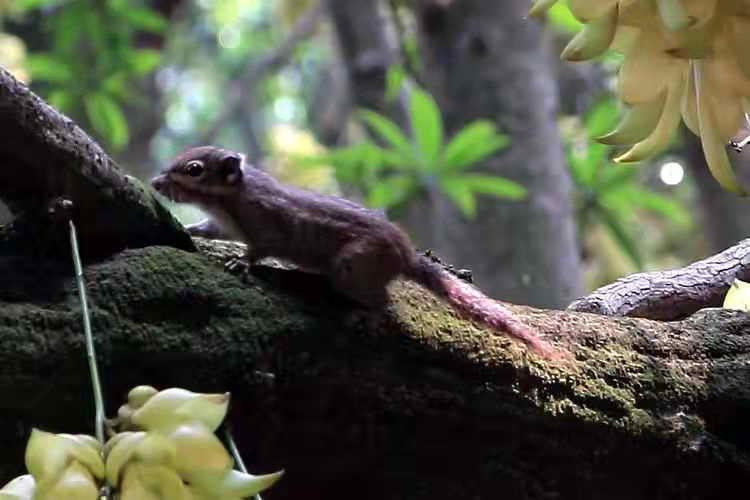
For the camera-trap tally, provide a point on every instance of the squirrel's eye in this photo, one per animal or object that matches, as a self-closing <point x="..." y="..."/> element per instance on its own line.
<point x="194" y="168"/>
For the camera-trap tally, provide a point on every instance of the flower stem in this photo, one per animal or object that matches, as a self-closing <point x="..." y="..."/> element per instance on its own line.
<point x="236" y="455"/>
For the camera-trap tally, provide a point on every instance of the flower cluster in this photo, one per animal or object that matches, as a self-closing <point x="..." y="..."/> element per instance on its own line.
<point x="60" y="466"/>
<point x="682" y="59"/>
<point x="165" y="448"/>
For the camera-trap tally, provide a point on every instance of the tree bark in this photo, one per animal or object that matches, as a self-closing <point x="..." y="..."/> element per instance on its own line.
<point x="486" y="60"/>
<point x="579" y="83"/>
<point x="368" y="47"/>
<point x="145" y="117"/>
<point x="43" y="156"/>
<point x="671" y="295"/>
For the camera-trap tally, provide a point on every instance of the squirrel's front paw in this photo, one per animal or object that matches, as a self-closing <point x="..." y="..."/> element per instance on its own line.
<point x="239" y="265"/>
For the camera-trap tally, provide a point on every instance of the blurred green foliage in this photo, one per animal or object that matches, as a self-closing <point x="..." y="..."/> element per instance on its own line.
<point x="207" y="51"/>
<point x="90" y="59"/>
<point x="608" y="194"/>
<point x="393" y="173"/>
<point x="93" y="59"/>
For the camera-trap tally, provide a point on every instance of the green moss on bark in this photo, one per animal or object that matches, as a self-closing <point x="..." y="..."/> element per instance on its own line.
<point x="410" y="402"/>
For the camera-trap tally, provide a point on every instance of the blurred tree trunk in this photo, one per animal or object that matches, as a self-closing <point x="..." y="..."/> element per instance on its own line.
<point x="330" y="107"/>
<point x="368" y="47"/>
<point x="721" y="213"/>
<point x="579" y="84"/>
<point x="484" y="59"/>
<point x="144" y="119"/>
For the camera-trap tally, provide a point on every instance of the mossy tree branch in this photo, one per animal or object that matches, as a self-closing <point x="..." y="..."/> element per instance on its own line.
<point x="44" y="155"/>
<point x="340" y="396"/>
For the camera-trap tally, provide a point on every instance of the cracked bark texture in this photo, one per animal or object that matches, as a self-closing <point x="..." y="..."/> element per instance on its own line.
<point x="674" y="294"/>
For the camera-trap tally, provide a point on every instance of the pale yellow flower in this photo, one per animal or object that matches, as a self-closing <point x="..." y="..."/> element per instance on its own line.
<point x="683" y="60"/>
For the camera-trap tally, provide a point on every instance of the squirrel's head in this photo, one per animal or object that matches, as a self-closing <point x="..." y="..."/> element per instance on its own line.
<point x="201" y="174"/>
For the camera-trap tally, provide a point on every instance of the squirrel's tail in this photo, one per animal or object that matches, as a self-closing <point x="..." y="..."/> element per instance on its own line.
<point x="473" y="304"/>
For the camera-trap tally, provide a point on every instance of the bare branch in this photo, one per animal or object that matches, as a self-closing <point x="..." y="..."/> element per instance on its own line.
<point x="670" y="295"/>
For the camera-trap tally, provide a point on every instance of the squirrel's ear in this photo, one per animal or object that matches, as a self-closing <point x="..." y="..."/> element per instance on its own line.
<point x="230" y="168"/>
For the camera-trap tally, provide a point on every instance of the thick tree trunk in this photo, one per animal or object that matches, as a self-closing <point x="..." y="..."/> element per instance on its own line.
<point x="487" y="60"/>
<point x="145" y="118"/>
<point x="368" y="47"/>
<point x="409" y="402"/>
<point x="580" y="83"/>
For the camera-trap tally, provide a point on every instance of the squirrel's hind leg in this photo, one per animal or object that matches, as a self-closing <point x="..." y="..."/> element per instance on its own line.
<point x="362" y="270"/>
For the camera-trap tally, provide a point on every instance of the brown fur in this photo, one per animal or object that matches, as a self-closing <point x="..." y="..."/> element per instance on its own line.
<point x="358" y="249"/>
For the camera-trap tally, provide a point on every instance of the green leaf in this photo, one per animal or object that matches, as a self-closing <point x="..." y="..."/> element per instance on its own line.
<point x="601" y="117"/>
<point x="473" y="143"/>
<point x="427" y="126"/>
<point x="67" y="27"/>
<point x="47" y="67"/>
<point x="143" y="61"/>
<point x="659" y="204"/>
<point x="94" y="31"/>
<point x="115" y="85"/>
<point x="460" y="194"/>
<point x="353" y="164"/>
<point x="391" y="191"/>
<point x="621" y="236"/>
<point x="561" y="18"/>
<point x="411" y="52"/>
<point x="614" y="177"/>
<point x="394" y="79"/>
<point x="61" y="100"/>
<point x="347" y="162"/>
<point x="579" y="169"/>
<point x="144" y="19"/>
<point x="492" y="185"/>
<point x="107" y="118"/>
<point x="587" y="161"/>
<point x="35" y="4"/>
<point x="389" y="133"/>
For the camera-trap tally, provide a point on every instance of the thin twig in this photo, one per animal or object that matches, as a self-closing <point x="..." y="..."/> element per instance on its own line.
<point x="236" y="454"/>
<point x="90" y="352"/>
